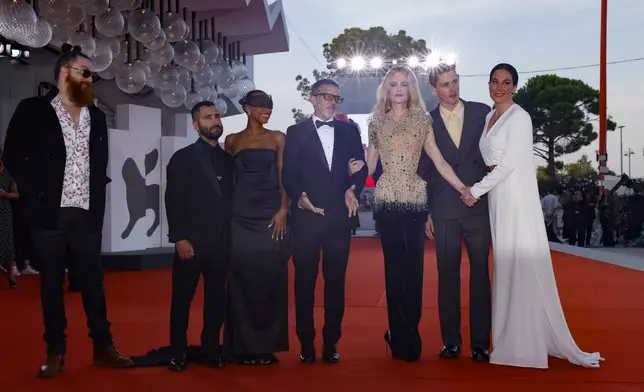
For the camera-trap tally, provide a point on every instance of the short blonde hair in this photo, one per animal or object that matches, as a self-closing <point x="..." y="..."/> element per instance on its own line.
<point x="437" y="71"/>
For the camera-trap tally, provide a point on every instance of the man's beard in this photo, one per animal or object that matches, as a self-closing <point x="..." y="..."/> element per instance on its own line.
<point x="79" y="92"/>
<point x="212" y="133"/>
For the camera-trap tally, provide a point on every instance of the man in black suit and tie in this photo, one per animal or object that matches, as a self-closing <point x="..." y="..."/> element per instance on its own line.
<point x="57" y="151"/>
<point x="458" y="126"/>
<point x="198" y="201"/>
<point x="325" y="196"/>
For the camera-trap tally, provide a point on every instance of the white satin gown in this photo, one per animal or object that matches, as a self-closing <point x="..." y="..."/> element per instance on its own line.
<point x="528" y="323"/>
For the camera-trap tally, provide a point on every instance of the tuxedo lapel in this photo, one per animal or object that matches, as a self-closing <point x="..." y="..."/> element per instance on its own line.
<point x="206" y="165"/>
<point x="315" y="139"/>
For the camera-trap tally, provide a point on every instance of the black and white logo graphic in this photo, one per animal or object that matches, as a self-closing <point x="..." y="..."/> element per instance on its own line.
<point x="139" y="196"/>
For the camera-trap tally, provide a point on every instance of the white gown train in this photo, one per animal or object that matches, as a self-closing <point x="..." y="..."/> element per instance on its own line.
<point x="528" y="323"/>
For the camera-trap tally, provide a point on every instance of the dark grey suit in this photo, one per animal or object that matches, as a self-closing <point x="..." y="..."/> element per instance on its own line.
<point x="454" y="221"/>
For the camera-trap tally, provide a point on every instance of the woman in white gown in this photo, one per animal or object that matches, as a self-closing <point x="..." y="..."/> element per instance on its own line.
<point x="528" y="322"/>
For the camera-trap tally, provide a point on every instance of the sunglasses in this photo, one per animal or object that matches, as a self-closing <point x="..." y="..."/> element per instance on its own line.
<point x="85" y="73"/>
<point x="330" y="97"/>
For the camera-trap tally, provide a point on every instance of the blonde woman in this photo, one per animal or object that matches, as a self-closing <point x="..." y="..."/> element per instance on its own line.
<point x="399" y="128"/>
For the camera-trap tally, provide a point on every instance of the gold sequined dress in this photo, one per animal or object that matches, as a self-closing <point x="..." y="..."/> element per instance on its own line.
<point x="400" y="142"/>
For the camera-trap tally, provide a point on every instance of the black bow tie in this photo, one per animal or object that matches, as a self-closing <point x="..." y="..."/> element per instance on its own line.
<point x="330" y="123"/>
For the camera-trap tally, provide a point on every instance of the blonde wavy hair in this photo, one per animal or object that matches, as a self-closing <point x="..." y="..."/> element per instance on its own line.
<point x="415" y="101"/>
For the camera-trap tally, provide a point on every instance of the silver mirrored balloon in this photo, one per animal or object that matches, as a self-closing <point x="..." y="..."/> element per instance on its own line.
<point x="143" y="25"/>
<point x="167" y="79"/>
<point x="221" y="105"/>
<point x="53" y="10"/>
<point x="40" y="36"/>
<point x="174" y="26"/>
<point x="110" y="23"/>
<point x="74" y="17"/>
<point x="130" y="79"/>
<point x="192" y="99"/>
<point x="97" y="7"/>
<point x="222" y="73"/>
<point x="17" y="19"/>
<point x="158" y="42"/>
<point x="163" y="56"/>
<point x="175" y="97"/>
<point x="102" y="57"/>
<point x="186" y="53"/>
<point x="84" y="40"/>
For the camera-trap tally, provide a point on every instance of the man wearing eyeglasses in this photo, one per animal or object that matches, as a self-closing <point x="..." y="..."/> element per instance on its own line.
<point x="56" y="148"/>
<point x="323" y="174"/>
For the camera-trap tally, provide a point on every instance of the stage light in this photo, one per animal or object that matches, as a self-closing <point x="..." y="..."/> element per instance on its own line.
<point x="376" y="62"/>
<point x="413" y="61"/>
<point x="432" y="60"/>
<point x="341" y="63"/>
<point x="357" y="63"/>
<point x="450" y="59"/>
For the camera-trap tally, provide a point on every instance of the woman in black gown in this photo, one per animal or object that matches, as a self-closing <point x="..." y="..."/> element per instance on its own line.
<point x="257" y="320"/>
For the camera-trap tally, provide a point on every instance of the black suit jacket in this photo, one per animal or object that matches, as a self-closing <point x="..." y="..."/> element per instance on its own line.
<point x="305" y="168"/>
<point x="198" y="196"/>
<point x="34" y="152"/>
<point x="466" y="160"/>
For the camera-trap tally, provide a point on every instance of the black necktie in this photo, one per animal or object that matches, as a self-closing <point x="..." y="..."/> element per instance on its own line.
<point x="319" y="123"/>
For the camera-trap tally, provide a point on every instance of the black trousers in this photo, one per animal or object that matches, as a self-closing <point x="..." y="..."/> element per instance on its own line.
<point x="403" y="246"/>
<point x="310" y="235"/>
<point x="213" y="266"/>
<point x="72" y="238"/>
<point x="475" y="230"/>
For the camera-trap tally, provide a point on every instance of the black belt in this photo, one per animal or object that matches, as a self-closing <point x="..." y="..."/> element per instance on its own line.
<point x="490" y="168"/>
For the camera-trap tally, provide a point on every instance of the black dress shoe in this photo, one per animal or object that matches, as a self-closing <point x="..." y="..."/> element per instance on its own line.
<point x="330" y="354"/>
<point x="480" y="355"/>
<point x="216" y="361"/>
<point x="178" y="363"/>
<point x="450" y="352"/>
<point x="307" y="354"/>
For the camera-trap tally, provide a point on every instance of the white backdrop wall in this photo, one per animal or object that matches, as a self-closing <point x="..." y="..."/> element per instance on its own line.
<point x="135" y="216"/>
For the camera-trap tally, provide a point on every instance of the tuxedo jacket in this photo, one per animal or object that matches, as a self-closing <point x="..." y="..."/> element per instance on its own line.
<point x="466" y="160"/>
<point x="198" y="196"/>
<point x="305" y="169"/>
<point x="35" y="154"/>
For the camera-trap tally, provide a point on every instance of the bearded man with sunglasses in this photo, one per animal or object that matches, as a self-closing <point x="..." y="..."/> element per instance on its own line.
<point x="57" y="149"/>
<point x="323" y="174"/>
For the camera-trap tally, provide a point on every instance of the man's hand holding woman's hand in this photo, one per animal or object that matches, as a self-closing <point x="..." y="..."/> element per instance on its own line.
<point x="467" y="197"/>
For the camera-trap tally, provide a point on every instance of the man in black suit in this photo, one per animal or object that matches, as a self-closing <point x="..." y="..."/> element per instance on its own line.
<point x="57" y="150"/>
<point x="458" y="126"/>
<point x="198" y="201"/>
<point x="316" y="177"/>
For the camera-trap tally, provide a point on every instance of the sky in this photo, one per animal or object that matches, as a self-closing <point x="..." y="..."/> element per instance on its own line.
<point x="529" y="34"/>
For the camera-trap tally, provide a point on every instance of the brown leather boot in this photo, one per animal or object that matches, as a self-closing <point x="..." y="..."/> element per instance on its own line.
<point x="52" y="367"/>
<point x="111" y="357"/>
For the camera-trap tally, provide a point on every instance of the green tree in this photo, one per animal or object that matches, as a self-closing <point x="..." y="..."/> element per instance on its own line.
<point x="563" y="111"/>
<point x="356" y="41"/>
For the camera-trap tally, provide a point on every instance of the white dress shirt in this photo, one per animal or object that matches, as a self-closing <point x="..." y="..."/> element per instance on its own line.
<point x="327" y="136"/>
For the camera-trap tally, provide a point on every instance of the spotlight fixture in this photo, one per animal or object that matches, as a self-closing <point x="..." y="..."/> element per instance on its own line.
<point x="13" y="51"/>
<point x="377" y="64"/>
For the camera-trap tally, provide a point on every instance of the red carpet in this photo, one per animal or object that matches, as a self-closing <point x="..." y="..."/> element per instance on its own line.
<point x="603" y="303"/>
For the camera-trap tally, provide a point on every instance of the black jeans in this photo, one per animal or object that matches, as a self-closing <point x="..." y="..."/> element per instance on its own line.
<point x="403" y="246"/>
<point x="75" y="239"/>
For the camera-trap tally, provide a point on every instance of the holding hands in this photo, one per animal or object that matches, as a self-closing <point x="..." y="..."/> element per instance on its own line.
<point x="467" y="197"/>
